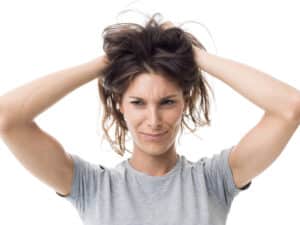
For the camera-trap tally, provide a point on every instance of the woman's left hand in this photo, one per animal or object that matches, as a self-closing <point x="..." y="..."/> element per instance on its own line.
<point x="197" y="51"/>
<point x="167" y="25"/>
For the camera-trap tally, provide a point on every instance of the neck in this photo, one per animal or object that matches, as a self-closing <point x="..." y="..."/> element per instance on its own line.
<point x="153" y="165"/>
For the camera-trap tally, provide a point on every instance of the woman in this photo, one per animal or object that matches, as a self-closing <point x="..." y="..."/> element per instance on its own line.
<point x="149" y="83"/>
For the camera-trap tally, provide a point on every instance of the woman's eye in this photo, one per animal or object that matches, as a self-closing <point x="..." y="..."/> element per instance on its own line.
<point x="167" y="101"/>
<point x="135" y="103"/>
<point x="170" y="101"/>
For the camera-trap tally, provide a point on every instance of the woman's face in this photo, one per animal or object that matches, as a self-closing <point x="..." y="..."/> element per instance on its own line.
<point x="148" y="110"/>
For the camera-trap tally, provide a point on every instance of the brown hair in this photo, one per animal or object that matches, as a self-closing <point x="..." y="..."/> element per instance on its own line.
<point x="133" y="49"/>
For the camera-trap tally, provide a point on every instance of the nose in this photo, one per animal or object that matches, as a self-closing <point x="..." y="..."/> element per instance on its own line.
<point x="154" y="118"/>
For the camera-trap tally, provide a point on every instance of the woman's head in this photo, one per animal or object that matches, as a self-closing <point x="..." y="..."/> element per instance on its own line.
<point x="150" y="63"/>
<point x="152" y="104"/>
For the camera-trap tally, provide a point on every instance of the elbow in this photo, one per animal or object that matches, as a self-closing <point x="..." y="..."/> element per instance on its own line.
<point x="3" y="124"/>
<point x="7" y="123"/>
<point x="294" y="112"/>
<point x="8" y="119"/>
<point x="3" y="119"/>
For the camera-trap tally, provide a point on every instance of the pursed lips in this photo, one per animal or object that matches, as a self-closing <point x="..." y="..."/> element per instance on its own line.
<point x="154" y="135"/>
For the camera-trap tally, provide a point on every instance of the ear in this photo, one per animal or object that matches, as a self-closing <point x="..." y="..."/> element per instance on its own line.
<point x="119" y="104"/>
<point x="185" y="106"/>
<point x="121" y="109"/>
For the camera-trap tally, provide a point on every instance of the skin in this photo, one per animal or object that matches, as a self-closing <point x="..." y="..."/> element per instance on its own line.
<point x="153" y="114"/>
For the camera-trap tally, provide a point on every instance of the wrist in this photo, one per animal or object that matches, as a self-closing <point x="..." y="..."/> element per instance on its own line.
<point x="199" y="57"/>
<point x="99" y="63"/>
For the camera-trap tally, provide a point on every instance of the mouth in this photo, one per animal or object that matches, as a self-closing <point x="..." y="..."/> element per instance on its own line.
<point x="153" y="137"/>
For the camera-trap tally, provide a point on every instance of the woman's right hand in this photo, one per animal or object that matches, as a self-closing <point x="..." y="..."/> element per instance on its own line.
<point x="99" y="64"/>
<point x="105" y="59"/>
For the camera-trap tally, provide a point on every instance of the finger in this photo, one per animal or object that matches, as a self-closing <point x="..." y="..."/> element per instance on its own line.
<point x="167" y="25"/>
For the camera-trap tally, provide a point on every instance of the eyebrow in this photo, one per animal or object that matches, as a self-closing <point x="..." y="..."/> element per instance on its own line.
<point x="168" y="96"/>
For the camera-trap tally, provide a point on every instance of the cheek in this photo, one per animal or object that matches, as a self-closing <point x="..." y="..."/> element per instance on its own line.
<point x="174" y="118"/>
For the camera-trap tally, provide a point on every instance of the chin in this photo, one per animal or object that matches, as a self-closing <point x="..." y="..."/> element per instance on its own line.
<point x="156" y="149"/>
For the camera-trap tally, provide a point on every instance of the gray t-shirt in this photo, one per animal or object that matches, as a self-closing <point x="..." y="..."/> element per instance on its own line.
<point x="190" y="193"/>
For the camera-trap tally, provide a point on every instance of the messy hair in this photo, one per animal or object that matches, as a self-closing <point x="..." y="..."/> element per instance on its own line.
<point x="133" y="49"/>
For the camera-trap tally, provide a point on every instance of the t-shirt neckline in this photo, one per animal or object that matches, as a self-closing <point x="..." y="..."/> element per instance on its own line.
<point x="149" y="177"/>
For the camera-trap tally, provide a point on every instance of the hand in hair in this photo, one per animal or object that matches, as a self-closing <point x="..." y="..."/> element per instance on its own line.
<point x="167" y="25"/>
<point x="197" y="51"/>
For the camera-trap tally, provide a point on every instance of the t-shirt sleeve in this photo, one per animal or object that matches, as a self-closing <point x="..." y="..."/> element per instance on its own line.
<point x="219" y="178"/>
<point x="86" y="180"/>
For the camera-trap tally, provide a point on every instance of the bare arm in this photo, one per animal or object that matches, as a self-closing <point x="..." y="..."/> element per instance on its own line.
<point x="263" y="90"/>
<point x="39" y="152"/>
<point x="24" y="103"/>
<point x="261" y="146"/>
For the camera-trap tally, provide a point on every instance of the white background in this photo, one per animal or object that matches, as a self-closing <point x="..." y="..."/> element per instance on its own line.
<point x="40" y="37"/>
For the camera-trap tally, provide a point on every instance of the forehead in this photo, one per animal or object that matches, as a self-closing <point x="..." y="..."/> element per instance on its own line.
<point x="148" y="85"/>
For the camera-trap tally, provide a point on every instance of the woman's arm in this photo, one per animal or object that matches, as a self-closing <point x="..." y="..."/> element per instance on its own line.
<point x="281" y="102"/>
<point x="262" y="144"/>
<point x="260" y="88"/>
<point x="24" y="103"/>
<point x="268" y="93"/>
